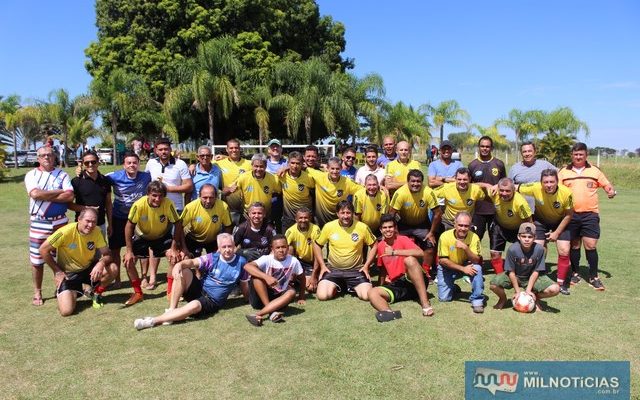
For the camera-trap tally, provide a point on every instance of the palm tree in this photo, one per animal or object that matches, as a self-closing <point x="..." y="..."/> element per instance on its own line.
<point x="309" y="90"/>
<point x="523" y="123"/>
<point x="563" y="121"/>
<point x="257" y="95"/>
<point x="366" y="95"/>
<point x="405" y="123"/>
<point x="8" y="112"/>
<point x="446" y="113"/>
<point x="208" y="83"/>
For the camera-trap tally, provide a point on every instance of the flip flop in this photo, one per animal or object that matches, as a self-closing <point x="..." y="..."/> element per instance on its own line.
<point x="37" y="301"/>
<point x="151" y="286"/>
<point x="386" y="316"/>
<point x="254" y="320"/>
<point x="427" y="312"/>
<point x="276" y="317"/>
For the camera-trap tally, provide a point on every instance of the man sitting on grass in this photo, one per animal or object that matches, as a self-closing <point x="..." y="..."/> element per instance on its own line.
<point x="524" y="268"/>
<point x="83" y="259"/>
<point x="269" y="288"/>
<point x="406" y="279"/>
<point x="220" y="273"/>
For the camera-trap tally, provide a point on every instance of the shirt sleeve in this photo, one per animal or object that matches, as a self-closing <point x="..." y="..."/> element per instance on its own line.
<point x="432" y="170"/>
<point x="540" y="267"/>
<point x="55" y="240"/>
<point x="66" y="182"/>
<point x="226" y="215"/>
<point x="262" y="262"/>
<point x="324" y="236"/>
<point x="184" y="171"/>
<point x="508" y="260"/>
<point x="369" y="238"/>
<point x="296" y="266"/>
<point x="396" y="201"/>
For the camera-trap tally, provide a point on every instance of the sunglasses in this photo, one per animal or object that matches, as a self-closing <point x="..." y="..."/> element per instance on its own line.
<point x="92" y="162"/>
<point x="205" y="155"/>
<point x="349" y="158"/>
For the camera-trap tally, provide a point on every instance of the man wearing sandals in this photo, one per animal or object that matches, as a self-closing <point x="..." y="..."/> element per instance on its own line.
<point x="270" y="287"/>
<point x="220" y="273"/>
<point x="406" y="280"/>
<point x="83" y="259"/>
<point x="584" y="180"/>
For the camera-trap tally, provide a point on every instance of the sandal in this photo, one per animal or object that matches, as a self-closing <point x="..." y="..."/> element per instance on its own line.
<point x="386" y="316"/>
<point x="276" y="317"/>
<point x="37" y="299"/>
<point x="427" y="312"/>
<point x="254" y="319"/>
<point x="151" y="286"/>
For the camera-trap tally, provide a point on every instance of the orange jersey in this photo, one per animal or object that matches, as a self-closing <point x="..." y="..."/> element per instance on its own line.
<point x="584" y="186"/>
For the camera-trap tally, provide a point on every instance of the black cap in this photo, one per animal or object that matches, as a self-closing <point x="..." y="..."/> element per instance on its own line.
<point x="446" y="143"/>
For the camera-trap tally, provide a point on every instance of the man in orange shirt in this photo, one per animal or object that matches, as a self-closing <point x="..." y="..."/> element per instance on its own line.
<point x="584" y="180"/>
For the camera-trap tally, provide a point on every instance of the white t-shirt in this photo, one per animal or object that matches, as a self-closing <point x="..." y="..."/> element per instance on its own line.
<point x="283" y="271"/>
<point x="47" y="180"/>
<point x="174" y="174"/>
<point x="365" y="171"/>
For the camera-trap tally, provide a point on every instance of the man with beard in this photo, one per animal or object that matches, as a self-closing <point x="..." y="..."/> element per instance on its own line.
<point x="348" y="159"/>
<point x="458" y="196"/>
<point x="298" y="190"/>
<point x="370" y="166"/>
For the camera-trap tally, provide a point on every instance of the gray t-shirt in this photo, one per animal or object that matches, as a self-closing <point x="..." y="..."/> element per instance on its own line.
<point x="524" y="264"/>
<point x="520" y="173"/>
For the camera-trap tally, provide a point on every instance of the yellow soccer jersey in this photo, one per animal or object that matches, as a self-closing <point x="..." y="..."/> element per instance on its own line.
<point x="230" y="172"/>
<point x="371" y="208"/>
<point x="399" y="170"/>
<point x="204" y="224"/>
<point x="76" y="252"/>
<point x="296" y="192"/>
<point x="413" y="208"/>
<point x="346" y="244"/>
<point x="262" y="190"/>
<point x="302" y="242"/>
<point x="510" y="214"/>
<point x="329" y="194"/>
<point x="550" y="208"/>
<point x="456" y="201"/>
<point x="153" y="223"/>
<point x="447" y="247"/>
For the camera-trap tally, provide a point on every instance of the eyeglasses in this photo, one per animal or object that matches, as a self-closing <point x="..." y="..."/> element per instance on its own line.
<point x="205" y="155"/>
<point x="91" y="162"/>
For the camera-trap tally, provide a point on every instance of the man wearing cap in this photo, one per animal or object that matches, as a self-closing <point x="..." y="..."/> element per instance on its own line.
<point x="388" y="151"/>
<point x="275" y="161"/>
<point x="444" y="169"/>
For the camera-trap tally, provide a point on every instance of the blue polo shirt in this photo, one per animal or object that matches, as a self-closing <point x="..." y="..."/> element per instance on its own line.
<point x="213" y="177"/>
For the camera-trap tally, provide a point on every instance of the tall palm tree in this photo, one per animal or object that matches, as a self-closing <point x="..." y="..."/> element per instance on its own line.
<point x="523" y="124"/>
<point x="446" y="113"/>
<point x="257" y="94"/>
<point x="406" y="123"/>
<point x="8" y="111"/>
<point x="366" y="95"/>
<point x="563" y="121"/>
<point x="208" y="82"/>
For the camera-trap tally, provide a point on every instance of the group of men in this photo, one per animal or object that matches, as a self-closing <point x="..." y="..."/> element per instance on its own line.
<point x="267" y="223"/>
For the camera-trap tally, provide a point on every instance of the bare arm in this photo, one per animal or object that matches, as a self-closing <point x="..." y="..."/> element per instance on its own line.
<point x="185" y="187"/>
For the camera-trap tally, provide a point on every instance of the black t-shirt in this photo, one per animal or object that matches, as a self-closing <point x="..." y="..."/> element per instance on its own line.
<point x="92" y="193"/>
<point x="247" y="238"/>
<point x="487" y="172"/>
<point x="523" y="264"/>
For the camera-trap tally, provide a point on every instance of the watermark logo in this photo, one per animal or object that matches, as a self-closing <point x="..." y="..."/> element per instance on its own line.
<point x="495" y="380"/>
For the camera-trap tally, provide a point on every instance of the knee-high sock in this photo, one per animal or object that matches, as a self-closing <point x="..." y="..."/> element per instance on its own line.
<point x="592" y="259"/>
<point x="574" y="255"/>
<point x="169" y="284"/>
<point x="498" y="265"/>
<point x="136" y="286"/>
<point x="563" y="268"/>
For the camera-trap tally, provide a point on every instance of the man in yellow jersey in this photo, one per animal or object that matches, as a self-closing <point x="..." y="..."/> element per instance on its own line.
<point x="552" y="214"/>
<point x="370" y="203"/>
<point x="301" y="237"/>
<point x="231" y="167"/>
<point x="83" y="258"/>
<point x="331" y="189"/>
<point x="512" y="210"/>
<point x="258" y="186"/>
<point x="458" y="256"/>
<point x="458" y="196"/>
<point x="298" y="190"/>
<point x="203" y="219"/>
<point x="397" y="170"/>
<point x="149" y="227"/>
<point x="584" y="180"/>
<point x="346" y="239"/>
<point x="412" y="203"/>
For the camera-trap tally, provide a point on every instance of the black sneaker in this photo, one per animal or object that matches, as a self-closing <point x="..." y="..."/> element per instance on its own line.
<point x="575" y="279"/>
<point x="596" y="283"/>
<point x="564" y="290"/>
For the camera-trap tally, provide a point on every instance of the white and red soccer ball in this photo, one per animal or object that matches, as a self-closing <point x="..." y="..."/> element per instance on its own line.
<point x="524" y="302"/>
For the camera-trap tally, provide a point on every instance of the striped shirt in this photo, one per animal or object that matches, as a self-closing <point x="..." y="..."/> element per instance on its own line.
<point x="47" y="180"/>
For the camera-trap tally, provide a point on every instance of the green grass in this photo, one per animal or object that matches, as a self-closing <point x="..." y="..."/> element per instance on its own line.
<point x="327" y="350"/>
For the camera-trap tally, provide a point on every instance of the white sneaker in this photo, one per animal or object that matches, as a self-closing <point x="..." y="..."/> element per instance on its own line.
<point x="165" y="323"/>
<point x="143" y="323"/>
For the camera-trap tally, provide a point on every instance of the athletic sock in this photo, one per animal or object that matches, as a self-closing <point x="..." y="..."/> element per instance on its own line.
<point x="169" y="285"/>
<point x="563" y="269"/>
<point x="136" y="286"/>
<point x="100" y="289"/>
<point x="498" y="265"/>
<point x="592" y="259"/>
<point x="574" y="256"/>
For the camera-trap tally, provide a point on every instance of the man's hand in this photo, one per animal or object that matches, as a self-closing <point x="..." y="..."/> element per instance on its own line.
<point x="388" y="250"/>
<point x="129" y="260"/>
<point x="271" y="281"/>
<point x="172" y="256"/>
<point x="461" y="245"/>
<point x="611" y="194"/>
<point x="553" y="236"/>
<point x="79" y="170"/>
<point x="365" y="271"/>
<point x="492" y="190"/>
<point x="431" y="238"/>
<point x="231" y="188"/>
<point x="323" y="270"/>
<point x="96" y="272"/>
<point x="59" y="277"/>
<point x="312" y="283"/>
<point x="469" y="270"/>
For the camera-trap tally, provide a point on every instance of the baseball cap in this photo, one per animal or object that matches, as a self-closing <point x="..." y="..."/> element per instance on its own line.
<point x="446" y="143"/>
<point x="527" y="227"/>
<point x="273" y="141"/>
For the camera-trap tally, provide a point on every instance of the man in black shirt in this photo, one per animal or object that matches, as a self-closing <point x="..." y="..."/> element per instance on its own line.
<point x="92" y="189"/>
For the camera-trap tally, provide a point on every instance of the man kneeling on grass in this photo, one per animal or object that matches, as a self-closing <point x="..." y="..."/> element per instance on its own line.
<point x="524" y="268"/>
<point x="269" y="289"/>
<point x="220" y="273"/>
<point x="406" y="279"/>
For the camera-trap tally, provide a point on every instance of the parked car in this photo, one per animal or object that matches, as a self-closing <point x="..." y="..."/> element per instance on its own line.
<point x="22" y="159"/>
<point x="32" y="158"/>
<point x="105" y="156"/>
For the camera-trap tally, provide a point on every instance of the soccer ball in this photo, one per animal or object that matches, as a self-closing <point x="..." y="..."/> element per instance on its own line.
<point x="524" y="303"/>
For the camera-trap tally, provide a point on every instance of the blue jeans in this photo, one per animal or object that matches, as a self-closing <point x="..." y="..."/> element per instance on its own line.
<point x="447" y="277"/>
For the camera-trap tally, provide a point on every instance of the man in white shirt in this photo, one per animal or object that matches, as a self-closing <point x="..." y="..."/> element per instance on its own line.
<point x="370" y="166"/>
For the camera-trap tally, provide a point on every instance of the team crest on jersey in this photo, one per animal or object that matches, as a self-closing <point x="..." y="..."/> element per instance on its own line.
<point x="509" y="213"/>
<point x="241" y="171"/>
<point x="91" y="245"/>
<point x="355" y="237"/>
<point x="469" y="202"/>
<point x="300" y="187"/>
<point x="264" y="241"/>
<point x="339" y="192"/>
<point x="163" y="218"/>
<point x="378" y="207"/>
<point x="494" y="171"/>
<point x="309" y="241"/>
<point x="556" y="204"/>
<point x="266" y="189"/>
<point x="421" y="203"/>
<point x="214" y="219"/>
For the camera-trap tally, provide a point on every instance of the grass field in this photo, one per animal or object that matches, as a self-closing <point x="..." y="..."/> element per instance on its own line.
<point x="331" y="350"/>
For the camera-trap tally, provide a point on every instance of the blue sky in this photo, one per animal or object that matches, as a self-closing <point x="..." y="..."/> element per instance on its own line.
<point x="490" y="56"/>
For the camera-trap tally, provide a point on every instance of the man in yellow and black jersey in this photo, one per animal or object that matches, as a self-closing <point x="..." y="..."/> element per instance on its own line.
<point x="396" y="171"/>
<point x="232" y="167"/>
<point x="331" y="189"/>
<point x="370" y="203"/>
<point x="459" y="196"/>
<point x="298" y="190"/>
<point x="258" y="186"/>
<point x="149" y="227"/>
<point x="301" y="236"/>
<point x="553" y="212"/>
<point x="203" y="219"/>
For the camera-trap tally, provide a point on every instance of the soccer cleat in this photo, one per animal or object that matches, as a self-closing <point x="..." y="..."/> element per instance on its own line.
<point x="143" y="323"/>
<point x="564" y="290"/>
<point x="135" y="298"/>
<point x="575" y="279"/>
<point x="596" y="283"/>
<point x="98" y="301"/>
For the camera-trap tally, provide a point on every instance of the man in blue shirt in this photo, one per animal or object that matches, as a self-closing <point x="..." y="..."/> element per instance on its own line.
<point x="444" y="169"/>
<point x="204" y="172"/>
<point x="348" y="159"/>
<point x="388" y="151"/>
<point x="275" y="161"/>
<point x="220" y="273"/>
